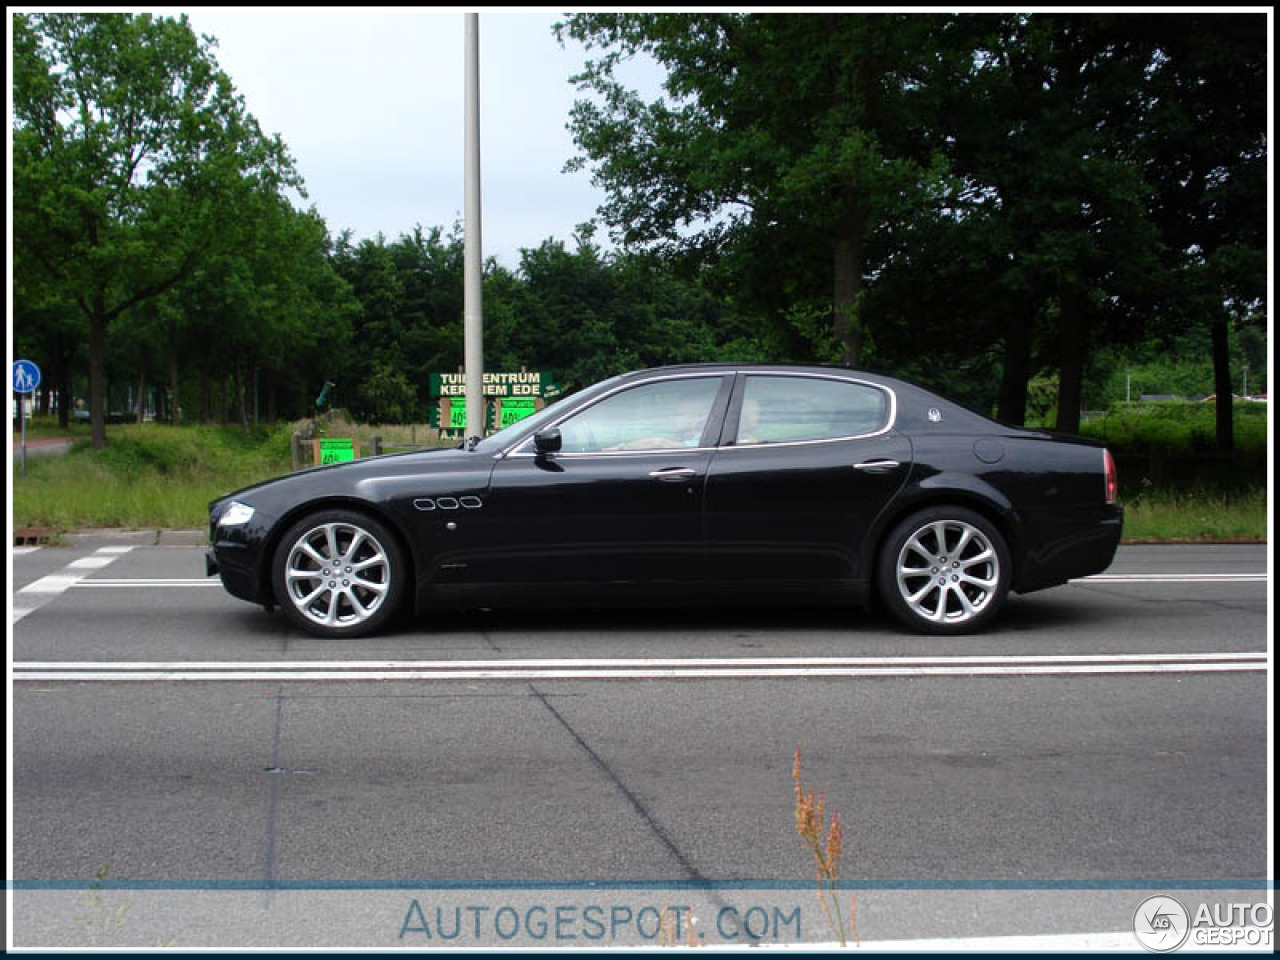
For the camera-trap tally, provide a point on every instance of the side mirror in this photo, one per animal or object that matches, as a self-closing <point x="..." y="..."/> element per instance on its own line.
<point x="547" y="441"/>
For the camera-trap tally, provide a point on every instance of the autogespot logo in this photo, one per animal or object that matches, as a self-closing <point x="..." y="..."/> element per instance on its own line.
<point x="1161" y="924"/>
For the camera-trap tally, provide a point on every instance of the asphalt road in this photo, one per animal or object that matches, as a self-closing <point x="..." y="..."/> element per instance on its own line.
<point x="1106" y="740"/>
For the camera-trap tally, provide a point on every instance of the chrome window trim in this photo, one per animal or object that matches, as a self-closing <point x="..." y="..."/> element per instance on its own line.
<point x="890" y="421"/>
<point x="515" y="451"/>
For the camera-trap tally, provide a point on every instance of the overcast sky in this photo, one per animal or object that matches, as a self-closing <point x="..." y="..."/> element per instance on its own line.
<point x="370" y="103"/>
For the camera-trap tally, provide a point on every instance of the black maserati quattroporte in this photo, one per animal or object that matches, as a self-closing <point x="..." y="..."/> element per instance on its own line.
<point x="706" y="481"/>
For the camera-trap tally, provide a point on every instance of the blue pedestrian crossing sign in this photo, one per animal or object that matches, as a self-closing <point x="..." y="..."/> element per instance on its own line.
<point x="26" y="376"/>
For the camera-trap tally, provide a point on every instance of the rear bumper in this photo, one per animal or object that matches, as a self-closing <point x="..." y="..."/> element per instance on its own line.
<point x="1080" y="554"/>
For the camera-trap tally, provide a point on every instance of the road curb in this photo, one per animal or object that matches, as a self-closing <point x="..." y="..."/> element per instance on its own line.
<point x="137" y="537"/>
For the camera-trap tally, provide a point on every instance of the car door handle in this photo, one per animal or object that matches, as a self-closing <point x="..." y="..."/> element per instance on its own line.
<point x="674" y="473"/>
<point x="877" y="466"/>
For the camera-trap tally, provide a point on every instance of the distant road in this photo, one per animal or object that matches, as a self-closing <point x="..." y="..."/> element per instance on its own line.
<point x="43" y="445"/>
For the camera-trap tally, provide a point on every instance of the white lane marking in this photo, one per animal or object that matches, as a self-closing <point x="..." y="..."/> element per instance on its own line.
<point x="1173" y="578"/>
<point x="643" y="669"/>
<point x="267" y="676"/>
<point x="35" y="595"/>
<point x="90" y="563"/>
<point x="676" y="662"/>
<point x="106" y="582"/>
<point x="1117" y="578"/>
<point x="54" y="583"/>
<point x="23" y="551"/>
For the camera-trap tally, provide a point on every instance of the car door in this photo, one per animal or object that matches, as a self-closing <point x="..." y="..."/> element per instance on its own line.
<point x="808" y="462"/>
<point x="620" y="501"/>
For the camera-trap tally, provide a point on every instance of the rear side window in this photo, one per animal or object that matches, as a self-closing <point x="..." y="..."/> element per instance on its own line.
<point x="793" y="409"/>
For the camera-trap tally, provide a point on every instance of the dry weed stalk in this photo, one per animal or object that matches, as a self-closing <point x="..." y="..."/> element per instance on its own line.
<point x="810" y="824"/>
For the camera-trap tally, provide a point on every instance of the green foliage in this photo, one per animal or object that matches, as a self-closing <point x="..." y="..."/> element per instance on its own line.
<point x="1196" y="514"/>
<point x="1177" y="427"/>
<point x="134" y="162"/>
<point x="1048" y="184"/>
<point x="386" y="396"/>
<point x="188" y="451"/>
<point x="148" y="476"/>
<point x="804" y="126"/>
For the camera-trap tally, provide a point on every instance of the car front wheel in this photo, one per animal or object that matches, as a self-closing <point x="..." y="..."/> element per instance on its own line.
<point x="339" y="573"/>
<point x="944" y="571"/>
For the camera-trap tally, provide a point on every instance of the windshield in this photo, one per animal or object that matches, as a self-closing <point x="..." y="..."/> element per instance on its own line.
<point x="496" y="442"/>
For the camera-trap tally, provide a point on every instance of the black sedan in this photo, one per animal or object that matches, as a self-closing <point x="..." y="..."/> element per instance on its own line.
<point x="707" y="481"/>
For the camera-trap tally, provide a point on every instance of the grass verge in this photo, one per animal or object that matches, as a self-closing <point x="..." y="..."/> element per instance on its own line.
<point x="149" y="476"/>
<point x="1197" y="514"/>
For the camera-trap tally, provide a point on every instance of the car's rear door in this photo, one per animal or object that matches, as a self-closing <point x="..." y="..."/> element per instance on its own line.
<point x="807" y="463"/>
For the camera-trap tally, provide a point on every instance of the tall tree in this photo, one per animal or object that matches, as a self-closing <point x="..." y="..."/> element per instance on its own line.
<point x="131" y="154"/>
<point x="1207" y="142"/>
<point x="817" y="128"/>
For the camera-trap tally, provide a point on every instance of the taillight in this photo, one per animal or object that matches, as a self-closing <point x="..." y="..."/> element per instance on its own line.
<point x="1109" y="466"/>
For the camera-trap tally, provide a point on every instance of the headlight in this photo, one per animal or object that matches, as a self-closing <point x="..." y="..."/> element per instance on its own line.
<point x="235" y="515"/>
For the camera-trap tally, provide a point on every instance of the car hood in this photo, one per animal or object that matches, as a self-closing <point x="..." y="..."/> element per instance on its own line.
<point x="340" y="476"/>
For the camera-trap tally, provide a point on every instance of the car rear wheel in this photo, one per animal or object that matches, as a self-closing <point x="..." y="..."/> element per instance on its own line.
<point x="339" y="573"/>
<point x="944" y="571"/>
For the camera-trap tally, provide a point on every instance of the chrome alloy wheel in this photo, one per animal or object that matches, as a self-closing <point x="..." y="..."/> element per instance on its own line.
<point x="337" y="575"/>
<point x="947" y="572"/>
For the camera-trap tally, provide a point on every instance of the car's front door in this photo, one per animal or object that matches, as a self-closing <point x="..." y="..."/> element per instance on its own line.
<point x="620" y="501"/>
<point x="807" y="464"/>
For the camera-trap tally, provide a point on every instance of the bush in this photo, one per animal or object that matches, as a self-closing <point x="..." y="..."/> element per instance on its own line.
<point x="1178" y="427"/>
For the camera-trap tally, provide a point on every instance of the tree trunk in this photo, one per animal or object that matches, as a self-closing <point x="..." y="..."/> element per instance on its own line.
<point x="62" y="379"/>
<point x="1225" y="442"/>
<point x="271" y="399"/>
<point x="206" y="396"/>
<point x="1074" y="328"/>
<point x="174" y="414"/>
<point x="1012" y="403"/>
<point x="97" y="381"/>
<point x="242" y="396"/>
<point x="848" y="288"/>
<point x="142" y="387"/>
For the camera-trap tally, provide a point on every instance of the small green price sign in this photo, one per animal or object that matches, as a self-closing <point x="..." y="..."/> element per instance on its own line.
<point x="458" y="414"/>
<point x="336" y="449"/>
<point x="514" y="411"/>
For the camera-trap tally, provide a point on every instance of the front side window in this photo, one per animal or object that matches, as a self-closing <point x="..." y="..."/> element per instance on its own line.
<point x="669" y="414"/>
<point x="793" y="409"/>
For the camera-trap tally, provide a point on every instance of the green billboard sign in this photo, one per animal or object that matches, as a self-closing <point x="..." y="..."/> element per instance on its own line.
<point x="514" y="410"/>
<point x="508" y="399"/>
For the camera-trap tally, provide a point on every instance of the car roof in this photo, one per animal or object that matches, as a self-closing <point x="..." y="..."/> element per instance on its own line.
<point x="752" y="367"/>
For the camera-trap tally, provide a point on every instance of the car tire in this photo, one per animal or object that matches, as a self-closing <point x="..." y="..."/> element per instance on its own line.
<point x="944" y="570"/>
<point x="351" y="598"/>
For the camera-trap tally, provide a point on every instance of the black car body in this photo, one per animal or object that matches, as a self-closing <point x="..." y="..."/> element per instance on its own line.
<point x="742" y="480"/>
